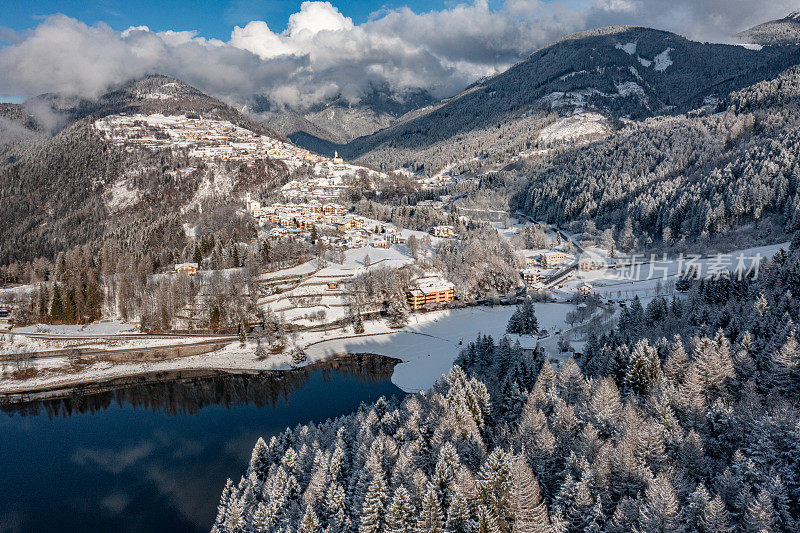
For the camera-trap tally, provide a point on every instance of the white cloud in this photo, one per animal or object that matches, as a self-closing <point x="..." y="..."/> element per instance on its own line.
<point x="315" y="17"/>
<point x="322" y="53"/>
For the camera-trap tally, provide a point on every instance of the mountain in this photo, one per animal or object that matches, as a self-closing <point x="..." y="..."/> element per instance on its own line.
<point x="17" y="124"/>
<point x="625" y="73"/>
<point x="733" y="171"/>
<point x="150" y="95"/>
<point x="775" y="32"/>
<point x="338" y="120"/>
<point x="129" y="166"/>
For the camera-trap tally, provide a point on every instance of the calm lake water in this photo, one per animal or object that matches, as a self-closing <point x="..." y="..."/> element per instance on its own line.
<point x="155" y="457"/>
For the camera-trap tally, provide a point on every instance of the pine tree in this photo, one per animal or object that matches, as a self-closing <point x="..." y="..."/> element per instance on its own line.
<point x="260" y="352"/>
<point x="785" y="367"/>
<point x="698" y="501"/>
<point x="486" y="521"/>
<point x="715" y="517"/>
<point x="659" y="511"/>
<point x="530" y="509"/>
<point x="431" y="520"/>
<point x="334" y="508"/>
<point x="374" y="509"/>
<point x="524" y="321"/>
<point x="235" y="520"/>
<point x="310" y="522"/>
<point x="358" y="323"/>
<point x="56" y="308"/>
<point x="494" y="486"/>
<point x="459" y="519"/>
<point x="397" y="312"/>
<point x="261" y="522"/>
<point x="643" y="369"/>
<point x="401" y="512"/>
<point x="760" y="514"/>
<point x="242" y="334"/>
<point x="444" y="474"/>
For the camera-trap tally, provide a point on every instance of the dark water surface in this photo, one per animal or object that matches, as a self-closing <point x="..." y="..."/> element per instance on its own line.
<point x="155" y="456"/>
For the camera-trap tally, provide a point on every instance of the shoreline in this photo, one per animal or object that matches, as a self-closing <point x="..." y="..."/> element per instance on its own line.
<point x="100" y="384"/>
<point x="424" y="349"/>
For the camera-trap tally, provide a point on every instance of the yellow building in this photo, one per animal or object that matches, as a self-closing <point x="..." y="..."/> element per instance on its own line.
<point x="431" y="295"/>
<point x="553" y="258"/>
<point x="186" y="268"/>
<point x="347" y="224"/>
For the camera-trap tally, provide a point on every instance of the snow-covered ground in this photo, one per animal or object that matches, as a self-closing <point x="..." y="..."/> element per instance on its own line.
<point x="577" y="127"/>
<point x="645" y="277"/>
<point x="429" y="344"/>
<point x="112" y="327"/>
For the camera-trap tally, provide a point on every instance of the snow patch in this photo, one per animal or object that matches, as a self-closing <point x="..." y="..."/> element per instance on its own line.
<point x="579" y="126"/>
<point x="662" y="60"/>
<point x="629" y="88"/>
<point x="121" y="196"/>
<point x="644" y="62"/>
<point x="628" y="48"/>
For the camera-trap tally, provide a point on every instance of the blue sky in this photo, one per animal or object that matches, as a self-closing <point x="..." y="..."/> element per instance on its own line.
<point x="213" y="19"/>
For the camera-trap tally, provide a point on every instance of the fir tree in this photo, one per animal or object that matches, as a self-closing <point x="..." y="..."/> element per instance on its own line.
<point x="310" y="522"/>
<point x="529" y="508"/>
<point x="715" y="517"/>
<point x="524" y="321"/>
<point x="56" y="308"/>
<point x="401" y="512"/>
<point x="659" y="511"/>
<point x="431" y="519"/>
<point x="374" y="509"/>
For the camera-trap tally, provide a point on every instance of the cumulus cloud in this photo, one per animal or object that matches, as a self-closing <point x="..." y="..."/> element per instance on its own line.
<point x="322" y="54"/>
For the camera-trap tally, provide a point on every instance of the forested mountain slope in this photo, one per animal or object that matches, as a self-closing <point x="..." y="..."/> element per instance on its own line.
<point x="628" y="72"/>
<point x="691" y="175"/>
<point x="75" y="187"/>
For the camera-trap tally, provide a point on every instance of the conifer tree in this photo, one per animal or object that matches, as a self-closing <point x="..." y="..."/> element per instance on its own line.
<point x="401" y="512"/>
<point x="760" y="514"/>
<point x="431" y="519"/>
<point x="459" y="519"/>
<point x="56" y="308"/>
<point x="529" y="508"/>
<point x="310" y="522"/>
<point x="373" y="510"/>
<point x="659" y="511"/>
<point x="715" y="517"/>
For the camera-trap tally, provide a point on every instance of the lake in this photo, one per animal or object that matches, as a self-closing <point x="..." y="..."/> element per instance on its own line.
<point x="155" y="455"/>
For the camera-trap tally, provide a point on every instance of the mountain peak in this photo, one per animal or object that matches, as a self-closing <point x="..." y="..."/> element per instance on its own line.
<point x="785" y="31"/>
<point x="151" y="94"/>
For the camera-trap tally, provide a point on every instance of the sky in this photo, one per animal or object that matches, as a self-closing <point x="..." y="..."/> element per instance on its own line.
<point x="213" y="19"/>
<point x="298" y="54"/>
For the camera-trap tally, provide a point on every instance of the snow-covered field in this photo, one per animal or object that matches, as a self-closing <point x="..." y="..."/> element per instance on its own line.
<point x="113" y="327"/>
<point x="576" y="127"/>
<point x="431" y="342"/>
